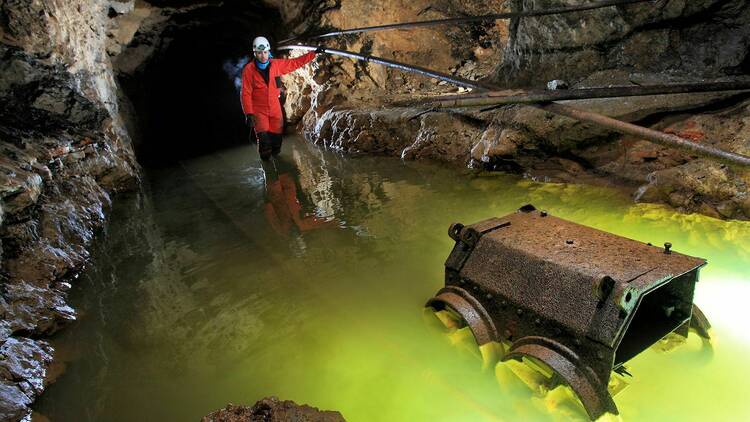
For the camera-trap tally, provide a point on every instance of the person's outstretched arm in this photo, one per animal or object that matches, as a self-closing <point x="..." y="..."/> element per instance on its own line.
<point x="290" y="65"/>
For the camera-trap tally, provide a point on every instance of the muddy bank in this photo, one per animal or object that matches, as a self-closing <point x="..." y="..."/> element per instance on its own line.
<point x="271" y="409"/>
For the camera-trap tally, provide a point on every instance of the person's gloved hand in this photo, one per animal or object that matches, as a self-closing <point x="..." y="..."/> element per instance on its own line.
<point x="320" y="49"/>
<point x="250" y="120"/>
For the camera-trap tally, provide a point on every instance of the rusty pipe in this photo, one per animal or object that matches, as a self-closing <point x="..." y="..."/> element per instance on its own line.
<point x="392" y="64"/>
<point x="651" y="135"/>
<point x="499" y="98"/>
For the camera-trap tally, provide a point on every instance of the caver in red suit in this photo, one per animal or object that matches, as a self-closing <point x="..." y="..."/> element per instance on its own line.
<point x="260" y="95"/>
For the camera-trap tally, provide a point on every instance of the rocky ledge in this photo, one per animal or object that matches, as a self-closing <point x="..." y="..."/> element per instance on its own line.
<point x="271" y="409"/>
<point x="550" y="148"/>
<point x="638" y="44"/>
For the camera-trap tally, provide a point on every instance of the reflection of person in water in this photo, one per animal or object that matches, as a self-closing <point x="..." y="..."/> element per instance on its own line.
<point x="283" y="209"/>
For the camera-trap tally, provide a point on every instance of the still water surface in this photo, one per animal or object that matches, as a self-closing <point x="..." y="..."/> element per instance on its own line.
<point x="227" y="283"/>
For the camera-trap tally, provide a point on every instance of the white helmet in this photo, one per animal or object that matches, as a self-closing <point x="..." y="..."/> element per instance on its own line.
<point x="261" y="44"/>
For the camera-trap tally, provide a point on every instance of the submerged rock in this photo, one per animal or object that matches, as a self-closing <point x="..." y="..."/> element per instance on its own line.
<point x="13" y="402"/>
<point x="23" y="367"/>
<point x="271" y="409"/>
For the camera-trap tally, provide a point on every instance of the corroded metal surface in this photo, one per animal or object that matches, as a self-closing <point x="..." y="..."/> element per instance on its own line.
<point x="580" y="300"/>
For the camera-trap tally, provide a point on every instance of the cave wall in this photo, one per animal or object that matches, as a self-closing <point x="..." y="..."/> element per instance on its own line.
<point x="471" y="52"/>
<point x="648" y="43"/>
<point x="677" y="38"/>
<point x="339" y="101"/>
<point x="64" y="152"/>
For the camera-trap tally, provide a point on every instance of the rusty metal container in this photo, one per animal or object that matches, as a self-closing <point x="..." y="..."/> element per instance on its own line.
<point x="580" y="300"/>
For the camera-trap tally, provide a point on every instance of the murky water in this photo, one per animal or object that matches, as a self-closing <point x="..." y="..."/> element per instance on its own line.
<point x="224" y="285"/>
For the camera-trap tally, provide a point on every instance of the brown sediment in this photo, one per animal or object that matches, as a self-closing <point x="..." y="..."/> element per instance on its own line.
<point x="271" y="409"/>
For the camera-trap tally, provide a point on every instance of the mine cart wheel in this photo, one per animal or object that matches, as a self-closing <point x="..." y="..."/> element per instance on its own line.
<point x="548" y="387"/>
<point x="557" y="365"/>
<point x="463" y="316"/>
<point x="459" y="333"/>
<point x="699" y="323"/>
<point x="446" y="319"/>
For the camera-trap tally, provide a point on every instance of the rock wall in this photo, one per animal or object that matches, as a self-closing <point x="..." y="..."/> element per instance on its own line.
<point x="649" y="43"/>
<point x="470" y="52"/>
<point x="271" y="409"/>
<point x="63" y="153"/>
<point x="678" y="38"/>
<point x="396" y="131"/>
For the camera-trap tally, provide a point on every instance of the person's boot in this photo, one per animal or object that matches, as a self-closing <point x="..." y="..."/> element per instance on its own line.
<point x="265" y="145"/>
<point x="276" y="141"/>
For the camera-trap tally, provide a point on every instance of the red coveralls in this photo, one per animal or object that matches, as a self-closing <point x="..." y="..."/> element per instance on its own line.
<point x="262" y="99"/>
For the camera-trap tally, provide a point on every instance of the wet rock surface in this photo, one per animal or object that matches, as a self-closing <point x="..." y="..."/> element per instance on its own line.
<point x="640" y="44"/>
<point x="699" y="39"/>
<point x="271" y="409"/>
<point x="401" y="132"/>
<point x="470" y="52"/>
<point x="23" y="364"/>
<point x="63" y="153"/>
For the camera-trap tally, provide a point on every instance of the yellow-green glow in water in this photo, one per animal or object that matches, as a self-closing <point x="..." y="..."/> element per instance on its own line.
<point x="194" y="300"/>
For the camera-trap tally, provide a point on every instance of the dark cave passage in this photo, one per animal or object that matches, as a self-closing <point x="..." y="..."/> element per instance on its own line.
<point x="187" y="98"/>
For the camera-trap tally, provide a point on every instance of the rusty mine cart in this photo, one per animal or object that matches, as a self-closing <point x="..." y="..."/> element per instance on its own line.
<point x="579" y="300"/>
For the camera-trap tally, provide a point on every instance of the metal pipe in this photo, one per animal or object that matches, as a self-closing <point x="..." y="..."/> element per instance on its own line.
<point x="499" y="98"/>
<point x="607" y="122"/>
<point x="481" y="18"/>
<point x="390" y="63"/>
<point x="651" y="135"/>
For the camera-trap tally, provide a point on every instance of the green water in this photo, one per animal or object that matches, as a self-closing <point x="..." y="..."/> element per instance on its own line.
<point x="195" y="299"/>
